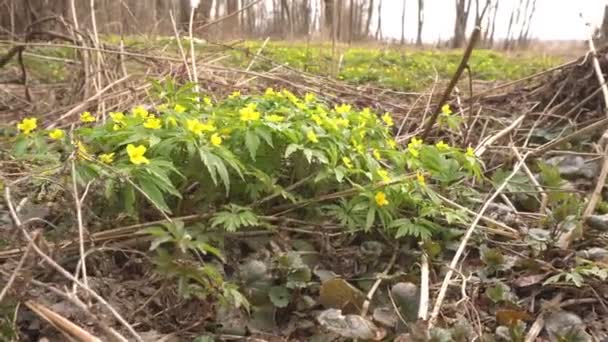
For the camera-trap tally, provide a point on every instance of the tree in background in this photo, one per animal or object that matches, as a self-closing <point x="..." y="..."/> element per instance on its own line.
<point x="420" y="22"/>
<point x="403" y="23"/>
<point x="463" y="8"/>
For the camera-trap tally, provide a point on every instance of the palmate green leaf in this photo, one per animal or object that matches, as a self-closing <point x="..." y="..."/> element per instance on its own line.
<point x="152" y="191"/>
<point x="215" y="165"/>
<point x="265" y="134"/>
<point x="252" y="142"/>
<point x="405" y="227"/>
<point x="234" y="217"/>
<point x="20" y="146"/>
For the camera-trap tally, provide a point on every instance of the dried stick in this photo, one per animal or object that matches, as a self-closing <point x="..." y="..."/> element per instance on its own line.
<point x="82" y="105"/>
<point x="192" y="54"/>
<point x="61" y="323"/>
<point x="423" y="308"/>
<point x="78" y="205"/>
<point x="599" y="74"/>
<point x="61" y="270"/>
<point x="543" y="193"/>
<point x="180" y="47"/>
<point x="483" y="146"/>
<point x="446" y="95"/>
<point x="381" y="277"/>
<point x="581" y="132"/>
<point x="463" y="243"/>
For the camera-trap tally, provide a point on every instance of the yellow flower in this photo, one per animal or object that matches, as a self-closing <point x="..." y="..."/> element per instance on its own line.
<point x="347" y="162"/>
<point x="140" y="112"/>
<point x="388" y="120"/>
<point x="391" y="143"/>
<point x="249" y="113"/>
<point x="420" y="178"/>
<point x="343" y="109"/>
<point x="83" y="153"/>
<point x="445" y="109"/>
<point x="470" y="152"/>
<point x="312" y="137"/>
<point x="116" y="127"/>
<point x="358" y="146"/>
<point x="441" y="146"/>
<point x="56" y="134"/>
<point x="27" y="125"/>
<point x="342" y="122"/>
<point x="106" y="158"/>
<point x="309" y="97"/>
<point x="234" y="94"/>
<point x="414" y="147"/>
<point x="269" y="92"/>
<point x="171" y="121"/>
<point x="384" y="175"/>
<point x="117" y="117"/>
<point x="198" y="127"/>
<point x="136" y="154"/>
<point x="207" y="101"/>
<point x="317" y="119"/>
<point x="366" y="113"/>
<point x="216" y="140"/>
<point x="381" y="199"/>
<point x="376" y="154"/>
<point x="179" y="108"/>
<point x="152" y="123"/>
<point x="275" y="118"/>
<point x="87" y="117"/>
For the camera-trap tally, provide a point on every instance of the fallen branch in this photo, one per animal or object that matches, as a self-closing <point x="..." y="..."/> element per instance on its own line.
<point x="446" y="95"/>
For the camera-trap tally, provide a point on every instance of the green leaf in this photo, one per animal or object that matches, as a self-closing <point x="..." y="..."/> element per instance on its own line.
<point x="279" y="296"/>
<point x="291" y="149"/>
<point x="215" y="166"/>
<point x="153" y="192"/>
<point x="371" y="218"/>
<point x="20" y="146"/>
<point x="252" y="142"/>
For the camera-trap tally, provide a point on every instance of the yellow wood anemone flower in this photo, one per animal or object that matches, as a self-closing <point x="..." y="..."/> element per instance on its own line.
<point x="106" y="158"/>
<point x="136" y="154"/>
<point x="87" y="117"/>
<point x="56" y="134"/>
<point x="215" y="139"/>
<point x="347" y="162"/>
<point x="420" y="178"/>
<point x="140" y="112"/>
<point x="179" y="108"/>
<point x="388" y="120"/>
<point x="27" y="125"/>
<point x="249" y="113"/>
<point x="381" y="199"/>
<point x="152" y="123"/>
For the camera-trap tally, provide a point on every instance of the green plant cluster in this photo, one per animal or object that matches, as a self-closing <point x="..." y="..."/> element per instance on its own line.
<point x="411" y="70"/>
<point x="237" y="160"/>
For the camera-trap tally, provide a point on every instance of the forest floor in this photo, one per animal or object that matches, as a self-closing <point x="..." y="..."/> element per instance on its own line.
<point x="299" y="220"/>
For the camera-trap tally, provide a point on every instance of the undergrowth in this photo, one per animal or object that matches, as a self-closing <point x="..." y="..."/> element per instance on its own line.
<point x="239" y="164"/>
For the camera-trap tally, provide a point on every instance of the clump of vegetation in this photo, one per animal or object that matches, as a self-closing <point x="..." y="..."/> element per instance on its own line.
<point x="411" y="70"/>
<point x="242" y="161"/>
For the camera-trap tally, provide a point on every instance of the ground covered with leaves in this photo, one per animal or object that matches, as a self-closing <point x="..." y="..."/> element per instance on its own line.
<point x="249" y="197"/>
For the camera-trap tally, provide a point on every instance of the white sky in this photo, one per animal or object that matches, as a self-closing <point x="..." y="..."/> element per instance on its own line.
<point x="553" y="19"/>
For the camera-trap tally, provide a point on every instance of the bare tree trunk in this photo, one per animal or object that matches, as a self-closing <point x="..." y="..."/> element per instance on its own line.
<point x="460" y="26"/>
<point x="526" y="36"/>
<point x="370" y="12"/>
<point x="379" y="27"/>
<point x="403" y="23"/>
<point x="491" y="41"/>
<point x="351" y="21"/>
<point x="420" y="22"/>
